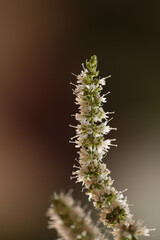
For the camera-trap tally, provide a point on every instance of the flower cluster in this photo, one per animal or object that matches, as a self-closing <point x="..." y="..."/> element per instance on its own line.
<point x="70" y="220"/>
<point x="90" y="139"/>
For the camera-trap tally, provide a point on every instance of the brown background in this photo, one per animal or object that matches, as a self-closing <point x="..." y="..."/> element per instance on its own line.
<point x="41" y="43"/>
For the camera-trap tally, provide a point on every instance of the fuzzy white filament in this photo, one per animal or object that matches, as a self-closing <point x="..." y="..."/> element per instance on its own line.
<point x="93" y="147"/>
<point x="70" y="219"/>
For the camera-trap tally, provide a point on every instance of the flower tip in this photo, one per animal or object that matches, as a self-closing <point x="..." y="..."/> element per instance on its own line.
<point x="92" y="63"/>
<point x="93" y="59"/>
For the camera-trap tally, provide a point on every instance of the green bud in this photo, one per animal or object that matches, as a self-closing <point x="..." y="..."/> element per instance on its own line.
<point x="116" y="216"/>
<point x="93" y="60"/>
<point x="91" y="65"/>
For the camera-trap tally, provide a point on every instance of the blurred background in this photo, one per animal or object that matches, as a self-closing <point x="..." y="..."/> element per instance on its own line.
<point x="41" y="43"/>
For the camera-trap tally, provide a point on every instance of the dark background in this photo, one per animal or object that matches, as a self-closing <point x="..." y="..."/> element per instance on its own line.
<point x="41" y="43"/>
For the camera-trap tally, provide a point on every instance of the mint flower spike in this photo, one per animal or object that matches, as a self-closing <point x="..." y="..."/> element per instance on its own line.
<point x="90" y="138"/>
<point x="70" y="219"/>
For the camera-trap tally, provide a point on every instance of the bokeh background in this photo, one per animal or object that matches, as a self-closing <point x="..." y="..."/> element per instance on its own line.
<point x="41" y="43"/>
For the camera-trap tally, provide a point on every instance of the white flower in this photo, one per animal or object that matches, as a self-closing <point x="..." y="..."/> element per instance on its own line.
<point x="94" y="175"/>
<point x="102" y="99"/>
<point x="70" y="220"/>
<point x="139" y="229"/>
<point x="102" y="81"/>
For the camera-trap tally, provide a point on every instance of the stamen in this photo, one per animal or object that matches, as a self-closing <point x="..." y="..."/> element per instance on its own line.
<point x="113" y="129"/>
<point x="83" y="67"/>
<point x="74" y="137"/>
<point x="72" y="126"/>
<point x="72" y="142"/>
<point x="73" y="84"/>
<point x="108" y="76"/>
<point x="109" y="120"/>
<point x="110" y="112"/>
<point x="74" y="74"/>
<point x="106" y="93"/>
